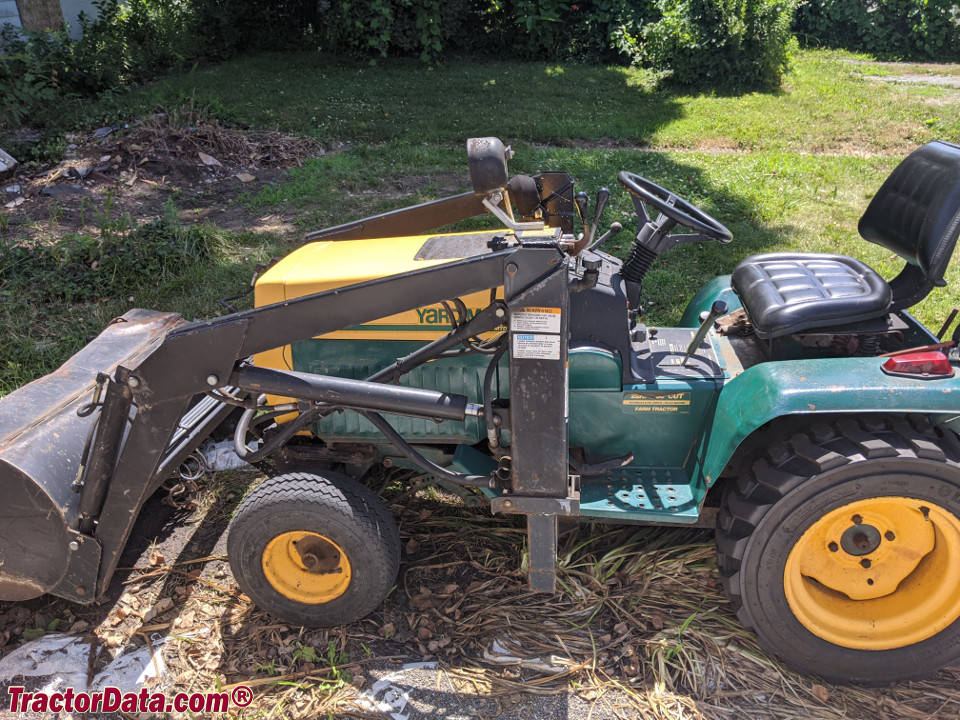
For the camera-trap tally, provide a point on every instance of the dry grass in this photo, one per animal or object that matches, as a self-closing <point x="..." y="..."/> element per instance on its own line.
<point x="639" y="628"/>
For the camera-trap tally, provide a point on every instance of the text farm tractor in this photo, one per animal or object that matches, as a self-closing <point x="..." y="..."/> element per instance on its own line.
<point x="513" y="361"/>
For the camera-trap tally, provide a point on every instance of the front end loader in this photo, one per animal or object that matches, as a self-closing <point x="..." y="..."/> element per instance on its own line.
<point x="799" y="407"/>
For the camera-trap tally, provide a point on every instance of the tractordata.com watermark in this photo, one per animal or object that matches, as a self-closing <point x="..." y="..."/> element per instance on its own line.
<point x="111" y="699"/>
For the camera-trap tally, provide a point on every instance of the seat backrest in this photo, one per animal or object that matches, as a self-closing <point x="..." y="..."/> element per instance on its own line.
<point x="916" y="214"/>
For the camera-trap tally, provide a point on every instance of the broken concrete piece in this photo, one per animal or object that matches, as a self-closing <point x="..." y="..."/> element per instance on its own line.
<point x="7" y="164"/>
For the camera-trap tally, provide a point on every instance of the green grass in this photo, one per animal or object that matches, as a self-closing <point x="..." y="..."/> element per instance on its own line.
<point x="786" y="170"/>
<point x="56" y="295"/>
<point x="771" y="200"/>
<point x="826" y="104"/>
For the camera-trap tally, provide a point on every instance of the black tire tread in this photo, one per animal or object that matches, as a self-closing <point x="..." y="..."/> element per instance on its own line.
<point x="824" y="446"/>
<point x="356" y="503"/>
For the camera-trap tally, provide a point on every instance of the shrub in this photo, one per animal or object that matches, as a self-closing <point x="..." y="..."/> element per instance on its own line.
<point x="226" y="27"/>
<point x="739" y="43"/>
<point x="922" y="29"/>
<point x="128" y="41"/>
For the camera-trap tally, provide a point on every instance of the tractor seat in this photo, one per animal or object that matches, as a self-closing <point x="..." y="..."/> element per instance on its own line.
<point x="916" y="214"/>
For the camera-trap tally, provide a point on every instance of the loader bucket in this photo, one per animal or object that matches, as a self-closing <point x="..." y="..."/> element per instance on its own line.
<point x="42" y="443"/>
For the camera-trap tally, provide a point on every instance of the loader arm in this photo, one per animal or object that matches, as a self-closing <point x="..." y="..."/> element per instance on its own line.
<point x="195" y="358"/>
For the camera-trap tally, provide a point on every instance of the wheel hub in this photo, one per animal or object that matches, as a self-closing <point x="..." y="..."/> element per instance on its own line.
<point x="306" y="567"/>
<point x="877" y="574"/>
<point x="860" y="540"/>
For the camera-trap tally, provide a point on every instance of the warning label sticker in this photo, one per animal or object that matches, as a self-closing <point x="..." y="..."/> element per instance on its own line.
<point x="656" y="401"/>
<point x="536" y="320"/>
<point x="536" y="346"/>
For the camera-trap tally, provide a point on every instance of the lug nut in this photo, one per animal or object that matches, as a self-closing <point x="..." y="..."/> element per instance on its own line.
<point x="212" y="380"/>
<point x="133" y="381"/>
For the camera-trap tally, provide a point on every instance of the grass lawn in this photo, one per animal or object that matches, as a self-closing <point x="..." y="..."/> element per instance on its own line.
<point x="784" y="170"/>
<point x="826" y="104"/>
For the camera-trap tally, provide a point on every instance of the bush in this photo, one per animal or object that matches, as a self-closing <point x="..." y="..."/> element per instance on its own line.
<point x="34" y="68"/>
<point x="129" y="41"/>
<point x="227" y="27"/>
<point x="740" y="43"/>
<point x="896" y="29"/>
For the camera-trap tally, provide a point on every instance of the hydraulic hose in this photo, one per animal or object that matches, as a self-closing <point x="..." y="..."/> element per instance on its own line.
<point x="493" y="433"/>
<point x="420" y="461"/>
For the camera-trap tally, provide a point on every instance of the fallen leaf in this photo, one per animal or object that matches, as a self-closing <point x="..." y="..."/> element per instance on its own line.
<point x="208" y="160"/>
<point x="245" y="177"/>
<point x="156" y="558"/>
<point x="161" y="607"/>
<point x="412" y="546"/>
<point x="620" y="628"/>
<point x="387" y="631"/>
<point x="821" y="693"/>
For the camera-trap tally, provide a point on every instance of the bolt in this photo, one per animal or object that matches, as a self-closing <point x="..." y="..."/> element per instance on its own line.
<point x="133" y="381"/>
<point x="865" y="563"/>
<point x="507" y="504"/>
<point x="74" y="545"/>
<point x="512" y="269"/>
<point x="499" y="312"/>
<point x="80" y="590"/>
<point x="388" y="462"/>
<point x="857" y="520"/>
<point x="889" y="535"/>
<point x="833" y="547"/>
<point x="212" y="380"/>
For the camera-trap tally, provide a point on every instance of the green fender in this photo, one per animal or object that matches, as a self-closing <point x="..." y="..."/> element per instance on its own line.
<point x="814" y="387"/>
<point x="716" y="289"/>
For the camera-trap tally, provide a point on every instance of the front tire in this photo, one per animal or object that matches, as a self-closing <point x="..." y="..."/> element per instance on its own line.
<point x="841" y="549"/>
<point x="314" y="550"/>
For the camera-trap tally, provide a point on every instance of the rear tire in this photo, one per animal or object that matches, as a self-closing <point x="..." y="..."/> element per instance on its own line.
<point x="314" y="550"/>
<point x="841" y="548"/>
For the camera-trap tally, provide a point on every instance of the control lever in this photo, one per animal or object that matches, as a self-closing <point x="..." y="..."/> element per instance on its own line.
<point x="581" y="201"/>
<point x="718" y="308"/>
<point x="603" y="194"/>
<point x="614" y="229"/>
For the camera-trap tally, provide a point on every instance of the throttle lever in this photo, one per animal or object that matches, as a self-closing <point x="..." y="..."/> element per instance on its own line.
<point x="718" y="308"/>
<point x="603" y="195"/>
<point x="614" y="229"/>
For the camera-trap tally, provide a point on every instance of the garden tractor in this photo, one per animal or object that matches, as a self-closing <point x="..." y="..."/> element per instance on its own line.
<point x="799" y="407"/>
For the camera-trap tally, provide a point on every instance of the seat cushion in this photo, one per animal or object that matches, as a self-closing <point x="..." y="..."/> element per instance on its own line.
<point x="785" y="293"/>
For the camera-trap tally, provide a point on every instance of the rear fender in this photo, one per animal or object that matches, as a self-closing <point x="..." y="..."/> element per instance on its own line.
<point x="815" y="387"/>
<point x="717" y="289"/>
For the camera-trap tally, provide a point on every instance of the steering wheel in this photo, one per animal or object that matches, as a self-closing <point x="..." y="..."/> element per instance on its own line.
<point x="672" y="206"/>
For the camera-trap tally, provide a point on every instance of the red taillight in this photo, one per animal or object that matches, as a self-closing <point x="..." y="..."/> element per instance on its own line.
<point x="924" y="365"/>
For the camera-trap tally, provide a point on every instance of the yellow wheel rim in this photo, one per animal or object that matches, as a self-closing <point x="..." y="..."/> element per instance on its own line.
<point x="877" y="574"/>
<point x="306" y="567"/>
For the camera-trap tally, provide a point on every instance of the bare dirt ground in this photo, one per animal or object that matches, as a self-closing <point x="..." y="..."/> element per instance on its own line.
<point x="136" y="170"/>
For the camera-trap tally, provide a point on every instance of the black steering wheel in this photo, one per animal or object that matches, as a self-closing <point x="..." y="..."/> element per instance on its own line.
<point x="672" y="206"/>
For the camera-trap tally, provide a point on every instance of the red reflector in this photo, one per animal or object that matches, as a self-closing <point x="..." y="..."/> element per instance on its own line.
<point x="927" y="364"/>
